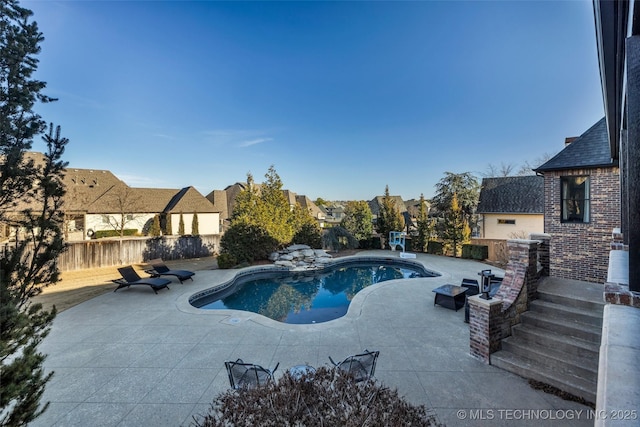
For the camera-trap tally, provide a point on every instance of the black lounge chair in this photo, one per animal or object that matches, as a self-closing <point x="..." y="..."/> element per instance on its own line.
<point x="158" y="268"/>
<point x="130" y="277"/>
<point x="361" y="366"/>
<point x="248" y="375"/>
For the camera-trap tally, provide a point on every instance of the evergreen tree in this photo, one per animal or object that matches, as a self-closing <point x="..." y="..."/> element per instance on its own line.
<point x="155" y="227"/>
<point x="389" y="217"/>
<point x="168" y="229"/>
<point x="181" y="225"/>
<point x="424" y="224"/>
<point x="195" y="226"/>
<point x="25" y="269"/>
<point x="28" y="265"/>
<point x="307" y="229"/>
<point x="456" y="230"/>
<point x="467" y="190"/>
<point x="358" y="220"/>
<point x="275" y="213"/>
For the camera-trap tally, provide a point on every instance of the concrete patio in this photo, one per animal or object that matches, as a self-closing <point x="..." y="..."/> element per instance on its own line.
<point x="132" y="358"/>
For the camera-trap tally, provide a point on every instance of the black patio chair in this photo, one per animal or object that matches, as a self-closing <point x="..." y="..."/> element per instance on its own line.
<point x="158" y="268"/>
<point x="248" y="375"/>
<point x="130" y="277"/>
<point x="361" y="366"/>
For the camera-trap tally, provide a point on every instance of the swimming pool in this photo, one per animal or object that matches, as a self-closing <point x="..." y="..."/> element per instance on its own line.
<point x="306" y="297"/>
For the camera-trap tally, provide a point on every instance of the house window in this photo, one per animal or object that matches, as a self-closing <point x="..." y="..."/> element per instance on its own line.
<point x="575" y="198"/>
<point x="507" y="221"/>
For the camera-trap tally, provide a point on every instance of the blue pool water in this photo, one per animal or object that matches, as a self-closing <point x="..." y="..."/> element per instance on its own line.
<point x="303" y="298"/>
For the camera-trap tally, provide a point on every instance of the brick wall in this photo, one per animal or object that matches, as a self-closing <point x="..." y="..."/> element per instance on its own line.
<point x="581" y="251"/>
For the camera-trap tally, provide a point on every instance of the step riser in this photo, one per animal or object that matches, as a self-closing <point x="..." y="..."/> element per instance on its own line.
<point x="534" y="374"/>
<point x="587" y="319"/>
<point x="549" y="363"/>
<point x="561" y="328"/>
<point x="568" y="347"/>
<point x="571" y="301"/>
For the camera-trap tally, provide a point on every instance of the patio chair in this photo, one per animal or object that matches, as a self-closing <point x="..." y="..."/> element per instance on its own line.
<point x="158" y="268"/>
<point x="130" y="277"/>
<point x="247" y="375"/>
<point x="361" y="366"/>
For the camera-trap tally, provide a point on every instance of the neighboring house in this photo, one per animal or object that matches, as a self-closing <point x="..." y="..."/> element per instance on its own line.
<point x="97" y="200"/>
<point x="376" y="203"/>
<point x="511" y="207"/>
<point x="581" y="205"/>
<point x="312" y="208"/>
<point x="334" y="213"/>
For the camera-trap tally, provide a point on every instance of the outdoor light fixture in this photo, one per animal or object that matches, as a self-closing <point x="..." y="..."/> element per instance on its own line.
<point x="485" y="283"/>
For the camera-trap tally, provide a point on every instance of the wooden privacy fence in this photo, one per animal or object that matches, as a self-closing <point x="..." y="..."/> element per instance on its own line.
<point x="108" y="252"/>
<point x="497" y="249"/>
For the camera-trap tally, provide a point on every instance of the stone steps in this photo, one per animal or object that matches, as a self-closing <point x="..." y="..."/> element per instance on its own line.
<point x="558" y="339"/>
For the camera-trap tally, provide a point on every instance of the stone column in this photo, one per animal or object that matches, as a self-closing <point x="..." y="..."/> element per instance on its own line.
<point x="485" y="327"/>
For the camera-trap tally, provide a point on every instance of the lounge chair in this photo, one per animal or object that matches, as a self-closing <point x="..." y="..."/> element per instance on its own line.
<point x="361" y="366"/>
<point x="158" y="268"/>
<point x="130" y="277"/>
<point x="248" y="375"/>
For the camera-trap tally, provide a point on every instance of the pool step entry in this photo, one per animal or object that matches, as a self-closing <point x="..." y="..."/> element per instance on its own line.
<point x="558" y="339"/>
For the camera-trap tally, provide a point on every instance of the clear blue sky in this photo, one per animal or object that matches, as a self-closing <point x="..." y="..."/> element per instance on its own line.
<point x="342" y="98"/>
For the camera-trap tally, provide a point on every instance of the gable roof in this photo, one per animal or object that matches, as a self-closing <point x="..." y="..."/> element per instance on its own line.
<point x="512" y="194"/>
<point x="377" y="202"/>
<point x="189" y="200"/>
<point x="589" y="150"/>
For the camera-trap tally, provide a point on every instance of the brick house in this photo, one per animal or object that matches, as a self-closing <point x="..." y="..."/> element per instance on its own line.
<point x="511" y="207"/>
<point x="581" y="205"/>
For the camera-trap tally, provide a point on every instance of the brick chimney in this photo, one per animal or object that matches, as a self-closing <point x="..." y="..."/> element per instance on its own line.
<point x="569" y="140"/>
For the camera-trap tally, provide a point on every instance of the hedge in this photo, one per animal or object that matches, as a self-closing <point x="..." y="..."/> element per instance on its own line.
<point x="479" y="252"/>
<point x="435" y="248"/>
<point x="114" y="233"/>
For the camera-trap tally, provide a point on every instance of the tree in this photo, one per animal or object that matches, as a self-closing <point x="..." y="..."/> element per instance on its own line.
<point x="389" y="217"/>
<point x="267" y="208"/>
<point x="467" y="190"/>
<point x="195" y="227"/>
<point x="425" y="225"/>
<point x="127" y="204"/>
<point x="456" y="229"/>
<point x="320" y="202"/>
<point x="358" y="220"/>
<point x="307" y="229"/>
<point x="30" y="198"/>
<point x="168" y="229"/>
<point x="181" y="225"/>
<point x="155" y="229"/>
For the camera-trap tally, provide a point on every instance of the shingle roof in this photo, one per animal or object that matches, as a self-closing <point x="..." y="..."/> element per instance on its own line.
<point x="512" y="194"/>
<point x="376" y="203"/>
<point x="589" y="150"/>
<point x="189" y="200"/>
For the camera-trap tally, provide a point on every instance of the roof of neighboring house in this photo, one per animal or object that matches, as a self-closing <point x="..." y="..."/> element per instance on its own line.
<point x="589" y="150"/>
<point x="310" y="206"/>
<point x="87" y="190"/>
<point x="376" y="203"/>
<point x="512" y="194"/>
<point x="189" y="200"/>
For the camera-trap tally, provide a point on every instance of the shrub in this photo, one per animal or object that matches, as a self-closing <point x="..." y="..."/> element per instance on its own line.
<point x="226" y="260"/>
<point x="114" y="233"/>
<point x="247" y="243"/>
<point x="435" y="248"/>
<point x="309" y="234"/>
<point x="328" y="398"/>
<point x="337" y="238"/>
<point x="479" y="252"/>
